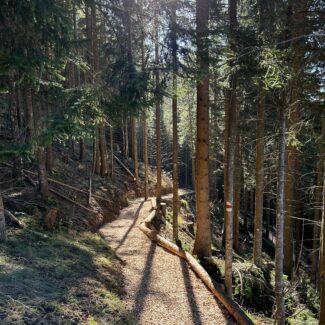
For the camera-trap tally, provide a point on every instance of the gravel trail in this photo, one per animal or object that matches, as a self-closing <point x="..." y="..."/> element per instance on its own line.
<point x="161" y="288"/>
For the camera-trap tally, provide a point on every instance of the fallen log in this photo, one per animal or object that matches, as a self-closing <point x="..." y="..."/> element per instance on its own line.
<point x="21" y="224"/>
<point x="60" y="183"/>
<point x="15" y="220"/>
<point x="71" y="201"/>
<point x="122" y="165"/>
<point x="232" y="307"/>
<point x="149" y="219"/>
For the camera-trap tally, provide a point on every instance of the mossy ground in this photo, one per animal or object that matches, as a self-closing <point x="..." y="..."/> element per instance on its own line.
<point x="61" y="279"/>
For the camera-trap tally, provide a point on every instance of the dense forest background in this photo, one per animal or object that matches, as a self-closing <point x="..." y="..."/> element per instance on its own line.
<point x="223" y="97"/>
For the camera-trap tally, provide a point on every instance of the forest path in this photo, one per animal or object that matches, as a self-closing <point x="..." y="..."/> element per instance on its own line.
<point x="160" y="287"/>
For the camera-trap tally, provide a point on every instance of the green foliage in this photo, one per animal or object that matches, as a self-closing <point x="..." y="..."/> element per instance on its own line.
<point x="273" y="61"/>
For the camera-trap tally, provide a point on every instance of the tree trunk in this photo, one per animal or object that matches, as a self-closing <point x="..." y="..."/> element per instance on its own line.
<point x="202" y="244"/>
<point x="49" y="158"/>
<point x="175" y="121"/>
<point x="279" y="285"/>
<point x="29" y="116"/>
<point x="135" y="150"/>
<point x="103" y="153"/>
<point x="15" y="130"/>
<point x="81" y="149"/>
<point x="3" y="233"/>
<point x="237" y="187"/>
<point x="232" y="130"/>
<point x="42" y="175"/>
<point x="112" y="151"/>
<point x="258" y="221"/>
<point x="157" y="104"/>
<point x="317" y="210"/>
<point x="322" y="260"/>
<point x="145" y="156"/>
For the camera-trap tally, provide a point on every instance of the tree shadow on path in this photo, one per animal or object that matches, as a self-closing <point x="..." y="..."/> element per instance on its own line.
<point x="143" y="288"/>
<point x="136" y="217"/>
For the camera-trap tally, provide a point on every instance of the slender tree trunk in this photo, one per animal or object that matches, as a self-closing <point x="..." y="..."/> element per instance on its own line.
<point x="3" y="233"/>
<point x="49" y="158"/>
<point x="192" y="139"/>
<point x="15" y="130"/>
<point x="42" y="176"/>
<point x="258" y="221"/>
<point x="103" y="152"/>
<point x="202" y="244"/>
<point x="29" y="116"/>
<point x="237" y="187"/>
<point x="81" y="149"/>
<point x="279" y="256"/>
<point x="157" y="104"/>
<point x="232" y="130"/>
<point x="322" y="260"/>
<point x="175" y="121"/>
<point x="145" y="156"/>
<point x="135" y="150"/>
<point x="112" y="151"/>
<point x="127" y="148"/>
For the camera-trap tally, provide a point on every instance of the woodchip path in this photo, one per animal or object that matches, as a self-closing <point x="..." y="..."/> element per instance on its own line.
<point x="160" y="287"/>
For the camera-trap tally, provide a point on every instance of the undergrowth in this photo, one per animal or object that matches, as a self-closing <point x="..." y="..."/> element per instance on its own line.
<point x="61" y="279"/>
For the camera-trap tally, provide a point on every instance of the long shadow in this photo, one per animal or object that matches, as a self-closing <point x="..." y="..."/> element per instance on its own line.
<point x="190" y="294"/>
<point x="144" y="284"/>
<point x="136" y="217"/>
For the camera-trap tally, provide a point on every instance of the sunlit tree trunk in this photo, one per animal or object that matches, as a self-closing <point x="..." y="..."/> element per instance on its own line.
<point x="202" y="244"/>
<point x="231" y="150"/>
<point x="135" y="150"/>
<point x="145" y="156"/>
<point x="157" y="104"/>
<point x="175" y="121"/>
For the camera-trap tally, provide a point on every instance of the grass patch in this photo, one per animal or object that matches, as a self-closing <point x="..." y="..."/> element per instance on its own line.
<point x="62" y="279"/>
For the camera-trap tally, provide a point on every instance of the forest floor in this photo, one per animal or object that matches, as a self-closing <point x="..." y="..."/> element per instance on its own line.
<point x="59" y="278"/>
<point x="160" y="287"/>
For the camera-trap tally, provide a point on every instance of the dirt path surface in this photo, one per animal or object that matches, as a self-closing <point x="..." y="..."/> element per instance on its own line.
<point x="160" y="287"/>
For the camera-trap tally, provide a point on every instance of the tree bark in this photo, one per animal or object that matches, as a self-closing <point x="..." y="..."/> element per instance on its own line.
<point x="258" y="221"/>
<point x="317" y="209"/>
<point x="135" y="150"/>
<point x="279" y="256"/>
<point x="322" y="260"/>
<point x="202" y="244"/>
<point x="157" y="104"/>
<point x="3" y="233"/>
<point x="231" y="151"/>
<point x="49" y="158"/>
<point x="237" y="188"/>
<point x="42" y="175"/>
<point x="112" y="151"/>
<point x="145" y="156"/>
<point x="81" y="149"/>
<point x="29" y="116"/>
<point x="175" y="121"/>
<point x="103" y="152"/>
